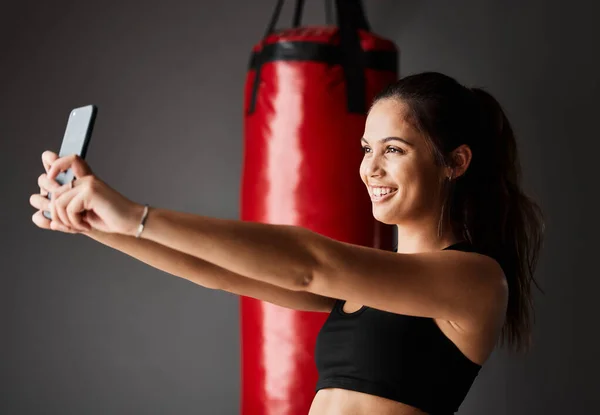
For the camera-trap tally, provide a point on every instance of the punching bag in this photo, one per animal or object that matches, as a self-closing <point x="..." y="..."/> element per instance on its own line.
<point x="306" y="96"/>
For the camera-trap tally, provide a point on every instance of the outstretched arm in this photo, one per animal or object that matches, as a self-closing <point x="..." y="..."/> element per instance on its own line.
<point x="209" y="275"/>
<point x="464" y="287"/>
<point x="159" y="256"/>
<point x="275" y="254"/>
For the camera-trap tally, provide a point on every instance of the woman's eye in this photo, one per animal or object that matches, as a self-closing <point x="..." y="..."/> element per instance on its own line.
<point x="396" y="150"/>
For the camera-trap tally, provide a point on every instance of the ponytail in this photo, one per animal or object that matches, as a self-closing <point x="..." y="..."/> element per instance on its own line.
<point x="520" y="222"/>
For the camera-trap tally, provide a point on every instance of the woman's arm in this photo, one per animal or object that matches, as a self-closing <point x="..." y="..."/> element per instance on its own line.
<point x="281" y="255"/>
<point x="462" y="287"/>
<point x="209" y="275"/>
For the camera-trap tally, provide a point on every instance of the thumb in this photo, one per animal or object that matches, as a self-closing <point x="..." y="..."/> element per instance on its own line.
<point x="77" y="164"/>
<point x="48" y="157"/>
<point x="80" y="167"/>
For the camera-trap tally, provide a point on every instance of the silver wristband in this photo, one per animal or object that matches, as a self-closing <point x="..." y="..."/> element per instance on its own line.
<point x="143" y="221"/>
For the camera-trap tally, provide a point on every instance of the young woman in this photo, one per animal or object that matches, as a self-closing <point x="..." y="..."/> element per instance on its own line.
<point x="408" y="331"/>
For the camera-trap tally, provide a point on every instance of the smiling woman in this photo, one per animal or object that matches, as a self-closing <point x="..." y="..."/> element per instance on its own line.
<point x="407" y="331"/>
<point x="455" y="165"/>
<point x="440" y="162"/>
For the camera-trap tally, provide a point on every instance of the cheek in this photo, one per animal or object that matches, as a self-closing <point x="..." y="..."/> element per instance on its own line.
<point x="415" y="184"/>
<point x="428" y="187"/>
<point x="362" y="170"/>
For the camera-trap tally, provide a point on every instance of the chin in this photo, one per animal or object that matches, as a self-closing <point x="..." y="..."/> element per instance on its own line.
<point x="384" y="217"/>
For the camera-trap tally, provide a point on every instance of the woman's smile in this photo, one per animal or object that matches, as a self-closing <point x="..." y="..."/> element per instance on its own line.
<point x="380" y="194"/>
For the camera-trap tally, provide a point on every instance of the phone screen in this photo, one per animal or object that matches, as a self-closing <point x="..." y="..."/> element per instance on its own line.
<point x="75" y="141"/>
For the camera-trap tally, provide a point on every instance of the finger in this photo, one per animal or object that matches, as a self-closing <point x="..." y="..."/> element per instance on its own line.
<point x="61" y="189"/>
<point x="74" y="213"/>
<point x="39" y="202"/>
<point x="61" y="202"/>
<point x="56" y="226"/>
<point x="40" y="220"/>
<point x="74" y="162"/>
<point x="48" y="157"/>
<point x="67" y="199"/>
<point x="46" y="184"/>
<point x="54" y="214"/>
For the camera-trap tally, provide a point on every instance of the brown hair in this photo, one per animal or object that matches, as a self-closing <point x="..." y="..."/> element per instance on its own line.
<point x="486" y="205"/>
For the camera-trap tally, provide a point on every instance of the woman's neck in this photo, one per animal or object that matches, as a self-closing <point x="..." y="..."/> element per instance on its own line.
<point x="420" y="238"/>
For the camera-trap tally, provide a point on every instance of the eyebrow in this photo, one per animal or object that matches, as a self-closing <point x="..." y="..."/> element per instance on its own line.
<point x="387" y="139"/>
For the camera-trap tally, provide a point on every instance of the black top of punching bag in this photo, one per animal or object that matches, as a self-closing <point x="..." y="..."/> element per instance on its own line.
<point x="348" y="53"/>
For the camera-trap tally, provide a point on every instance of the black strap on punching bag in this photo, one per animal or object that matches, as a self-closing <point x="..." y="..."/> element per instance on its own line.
<point x="300" y="7"/>
<point x="298" y="13"/>
<point x="350" y="18"/>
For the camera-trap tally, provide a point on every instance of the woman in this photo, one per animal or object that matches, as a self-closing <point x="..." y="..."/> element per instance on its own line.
<point x="408" y="331"/>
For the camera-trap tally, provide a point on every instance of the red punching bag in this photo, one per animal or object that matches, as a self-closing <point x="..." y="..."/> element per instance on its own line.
<point x="306" y="97"/>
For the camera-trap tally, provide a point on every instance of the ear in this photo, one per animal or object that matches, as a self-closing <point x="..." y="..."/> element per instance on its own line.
<point x="461" y="158"/>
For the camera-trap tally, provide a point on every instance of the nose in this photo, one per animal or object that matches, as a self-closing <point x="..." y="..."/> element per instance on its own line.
<point x="373" y="166"/>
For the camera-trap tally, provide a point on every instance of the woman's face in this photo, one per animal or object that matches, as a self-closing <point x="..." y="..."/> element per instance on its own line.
<point x="398" y="168"/>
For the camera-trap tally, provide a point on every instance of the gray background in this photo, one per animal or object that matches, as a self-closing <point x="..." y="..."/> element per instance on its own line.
<point x="88" y="330"/>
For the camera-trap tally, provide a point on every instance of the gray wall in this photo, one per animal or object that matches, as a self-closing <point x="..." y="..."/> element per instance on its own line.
<point x="86" y="329"/>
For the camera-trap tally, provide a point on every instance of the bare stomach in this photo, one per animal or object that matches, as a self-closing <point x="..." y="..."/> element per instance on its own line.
<point x="344" y="402"/>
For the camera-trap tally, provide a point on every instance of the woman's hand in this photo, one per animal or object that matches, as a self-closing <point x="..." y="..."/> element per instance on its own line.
<point x="85" y="204"/>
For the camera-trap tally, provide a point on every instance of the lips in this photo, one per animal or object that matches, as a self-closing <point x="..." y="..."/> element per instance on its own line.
<point x="378" y="198"/>
<point x="377" y="190"/>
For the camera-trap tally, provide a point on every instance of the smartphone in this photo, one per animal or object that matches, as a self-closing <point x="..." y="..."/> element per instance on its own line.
<point x="75" y="141"/>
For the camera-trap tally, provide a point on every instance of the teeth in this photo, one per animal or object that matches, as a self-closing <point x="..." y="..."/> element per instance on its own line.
<point x="382" y="191"/>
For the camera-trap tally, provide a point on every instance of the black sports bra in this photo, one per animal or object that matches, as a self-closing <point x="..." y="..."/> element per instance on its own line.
<point x="404" y="358"/>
